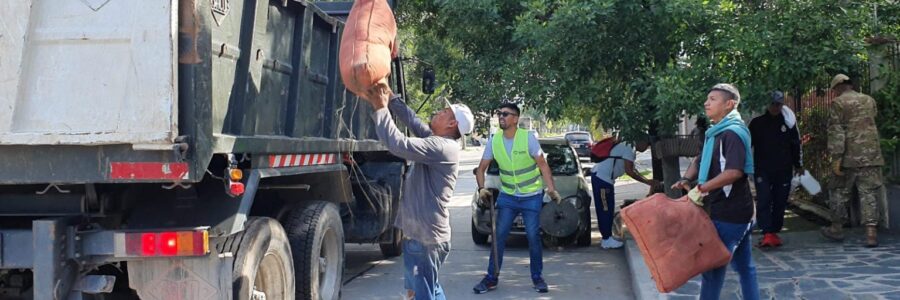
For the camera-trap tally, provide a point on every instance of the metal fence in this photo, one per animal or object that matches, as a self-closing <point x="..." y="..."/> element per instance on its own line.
<point x="812" y="115"/>
<point x="893" y="63"/>
<point x="812" y="110"/>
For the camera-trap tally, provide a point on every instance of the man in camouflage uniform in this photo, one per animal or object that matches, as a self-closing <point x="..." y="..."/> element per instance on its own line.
<point x="856" y="158"/>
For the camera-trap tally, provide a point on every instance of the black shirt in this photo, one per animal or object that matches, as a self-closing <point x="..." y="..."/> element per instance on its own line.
<point x="776" y="148"/>
<point x="732" y="203"/>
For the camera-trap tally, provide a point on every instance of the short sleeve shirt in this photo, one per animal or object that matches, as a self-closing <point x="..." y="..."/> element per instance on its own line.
<point x="614" y="166"/>
<point x="732" y="203"/>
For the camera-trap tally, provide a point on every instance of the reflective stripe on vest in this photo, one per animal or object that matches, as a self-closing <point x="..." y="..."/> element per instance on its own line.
<point x="519" y="172"/>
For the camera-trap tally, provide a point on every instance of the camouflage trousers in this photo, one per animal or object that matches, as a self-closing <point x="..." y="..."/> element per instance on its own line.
<point x="867" y="181"/>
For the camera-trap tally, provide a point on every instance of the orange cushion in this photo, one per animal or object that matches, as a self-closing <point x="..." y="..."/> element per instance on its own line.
<point x="367" y="45"/>
<point x="677" y="239"/>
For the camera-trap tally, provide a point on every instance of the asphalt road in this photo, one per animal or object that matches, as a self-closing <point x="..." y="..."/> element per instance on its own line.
<point x="572" y="272"/>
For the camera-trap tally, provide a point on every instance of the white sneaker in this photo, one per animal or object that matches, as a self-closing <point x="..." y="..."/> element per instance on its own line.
<point x="611" y="243"/>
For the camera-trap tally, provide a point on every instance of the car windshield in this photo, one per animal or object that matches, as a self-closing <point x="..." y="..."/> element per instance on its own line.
<point x="578" y="137"/>
<point x="562" y="161"/>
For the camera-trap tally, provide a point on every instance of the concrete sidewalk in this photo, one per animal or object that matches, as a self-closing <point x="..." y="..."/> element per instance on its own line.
<point x="806" y="267"/>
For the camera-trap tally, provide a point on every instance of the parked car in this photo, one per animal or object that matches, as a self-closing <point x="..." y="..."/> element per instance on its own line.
<point x="581" y="141"/>
<point x="570" y="184"/>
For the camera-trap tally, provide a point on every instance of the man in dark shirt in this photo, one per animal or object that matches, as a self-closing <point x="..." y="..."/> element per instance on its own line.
<point x="721" y="171"/>
<point x="776" y="151"/>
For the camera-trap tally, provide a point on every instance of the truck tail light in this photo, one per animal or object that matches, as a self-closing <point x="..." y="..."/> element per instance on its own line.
<point x="167" y="243"/>
<point x="236" y="188"/>
<point x="236" y="174"/>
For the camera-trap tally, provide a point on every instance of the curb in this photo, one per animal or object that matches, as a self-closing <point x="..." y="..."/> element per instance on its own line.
<point x="641" y="283"/>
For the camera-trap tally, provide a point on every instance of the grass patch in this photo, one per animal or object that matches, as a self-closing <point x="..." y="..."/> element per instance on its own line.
<point x="625" y="177"/>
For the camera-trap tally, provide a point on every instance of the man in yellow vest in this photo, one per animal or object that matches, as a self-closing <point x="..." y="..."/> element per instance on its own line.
<point x="522" y="166"/>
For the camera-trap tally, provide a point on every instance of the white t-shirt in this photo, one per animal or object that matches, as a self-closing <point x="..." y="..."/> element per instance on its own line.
<point x="614" y="166"/>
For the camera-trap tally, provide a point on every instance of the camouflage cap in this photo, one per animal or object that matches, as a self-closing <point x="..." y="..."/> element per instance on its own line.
<point x="838" y="79"/>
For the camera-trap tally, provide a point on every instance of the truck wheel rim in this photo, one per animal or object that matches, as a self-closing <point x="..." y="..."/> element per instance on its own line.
<point x="271" y="279"/>
<point x="327" y="265"/>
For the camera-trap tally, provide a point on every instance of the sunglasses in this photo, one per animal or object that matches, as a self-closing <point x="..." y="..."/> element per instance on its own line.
<point x="504" y="114"/>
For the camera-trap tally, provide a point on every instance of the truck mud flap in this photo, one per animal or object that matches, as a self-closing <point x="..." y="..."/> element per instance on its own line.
<point x="200" y="278"/>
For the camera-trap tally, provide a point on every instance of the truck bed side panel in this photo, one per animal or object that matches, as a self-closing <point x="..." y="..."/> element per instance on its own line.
<point x="87" y="72"/>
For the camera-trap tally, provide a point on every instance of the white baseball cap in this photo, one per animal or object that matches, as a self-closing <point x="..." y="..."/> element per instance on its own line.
<point x="464" y="118"/>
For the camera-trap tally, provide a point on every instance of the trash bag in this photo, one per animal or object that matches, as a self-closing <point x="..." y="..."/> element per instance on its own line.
<point x="368" y="45"/>
<point x="677" y="239"/>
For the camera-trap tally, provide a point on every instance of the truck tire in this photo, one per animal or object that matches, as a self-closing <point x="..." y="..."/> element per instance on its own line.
<point x="478" y="237"/>
<point x="394" y="247"/>
<point x="262" y="261"/>
<point x="584" y="237"/>
<point x="317" y="239"/>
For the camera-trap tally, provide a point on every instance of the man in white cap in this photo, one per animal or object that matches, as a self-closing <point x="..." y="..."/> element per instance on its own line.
<point x="423" y="215"/>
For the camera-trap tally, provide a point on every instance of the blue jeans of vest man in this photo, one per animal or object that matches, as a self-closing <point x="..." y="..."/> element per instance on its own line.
<point x="509" y="207"/>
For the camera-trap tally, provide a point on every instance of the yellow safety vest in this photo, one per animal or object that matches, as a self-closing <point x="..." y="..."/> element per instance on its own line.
<point x="519" y="172"/>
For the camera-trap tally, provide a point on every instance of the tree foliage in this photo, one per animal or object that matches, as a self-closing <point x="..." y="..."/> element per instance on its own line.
<point x="632" y="63"/>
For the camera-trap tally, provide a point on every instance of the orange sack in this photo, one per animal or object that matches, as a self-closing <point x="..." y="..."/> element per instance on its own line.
<point x="677" y="239"/>
<point x="367" y="45"/>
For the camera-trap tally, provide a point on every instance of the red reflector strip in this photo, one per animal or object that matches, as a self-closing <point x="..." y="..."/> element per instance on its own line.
<point x="168" y="243"/>
<point x="201" y="242"/>
<point x="296" y="160"/>
<point x="148" y="170"/>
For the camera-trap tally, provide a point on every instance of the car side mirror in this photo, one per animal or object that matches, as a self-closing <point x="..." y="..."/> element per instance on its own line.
<point x="428" y="81"/>
<point x="586" y="171"/>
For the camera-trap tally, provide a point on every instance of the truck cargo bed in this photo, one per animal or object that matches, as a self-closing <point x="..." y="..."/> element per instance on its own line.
<point x="98" y="90"/>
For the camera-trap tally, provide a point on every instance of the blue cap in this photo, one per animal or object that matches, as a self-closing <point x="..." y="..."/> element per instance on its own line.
<point x="778" y="97"/>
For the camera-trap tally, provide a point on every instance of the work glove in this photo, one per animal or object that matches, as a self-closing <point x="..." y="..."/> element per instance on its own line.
<point x="696" y="196"/>
<point x="836" y="167"/>
<point x="484" y="195"/>
<point x="554" y="195"/>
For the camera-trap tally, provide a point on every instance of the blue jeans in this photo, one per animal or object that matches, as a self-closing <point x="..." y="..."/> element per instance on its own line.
<point x="604" y="204"/>
<point x="422" y="263"/>
<point x="771" y="198"/>
<point x="737" y="239"/>
<point x="530" y="207"/>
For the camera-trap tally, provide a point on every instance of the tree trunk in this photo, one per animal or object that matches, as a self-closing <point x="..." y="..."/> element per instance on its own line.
<point x="657" y="166"/>
<point x="671" y="174"/>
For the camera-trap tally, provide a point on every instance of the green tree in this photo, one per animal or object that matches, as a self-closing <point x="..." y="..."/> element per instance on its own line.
<point x="635" y="63"/>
